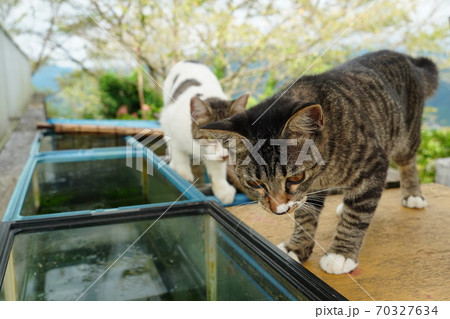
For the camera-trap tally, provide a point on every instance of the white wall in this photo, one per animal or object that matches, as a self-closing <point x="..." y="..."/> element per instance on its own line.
<point x="15" y="82"/>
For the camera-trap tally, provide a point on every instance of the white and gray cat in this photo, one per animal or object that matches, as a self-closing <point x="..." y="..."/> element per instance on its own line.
<point x="194" y="97"/>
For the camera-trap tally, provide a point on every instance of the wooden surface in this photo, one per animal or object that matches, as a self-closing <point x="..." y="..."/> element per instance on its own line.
<point x="406" y="252"/>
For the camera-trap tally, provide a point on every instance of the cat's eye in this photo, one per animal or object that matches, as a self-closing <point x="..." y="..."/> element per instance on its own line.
<point x="255" y="184"/>
<point x="296" y="179"/>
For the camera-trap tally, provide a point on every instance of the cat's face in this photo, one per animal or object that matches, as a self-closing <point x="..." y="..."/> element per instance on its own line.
<point x="279" y="183"/>
<point x="277" y="165"/>
<point x="212" y="110"/>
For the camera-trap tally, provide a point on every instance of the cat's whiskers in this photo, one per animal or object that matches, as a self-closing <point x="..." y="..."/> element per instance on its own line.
<point x="297" y="204"/>
<point x="328" y="189"/>
<point x="314" y="200"/>
<point x="251" y="211"/>
<point x="244" y="206"/>
<point x="310" y="209"/>
<point x="261" y="212"/>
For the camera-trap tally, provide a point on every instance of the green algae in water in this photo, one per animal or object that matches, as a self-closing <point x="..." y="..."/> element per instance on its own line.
<point x="88" y="185"/>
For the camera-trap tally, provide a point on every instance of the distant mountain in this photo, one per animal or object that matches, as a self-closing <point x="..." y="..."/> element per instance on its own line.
<point x="45" y="77"/>
<point x="441" y="100"/>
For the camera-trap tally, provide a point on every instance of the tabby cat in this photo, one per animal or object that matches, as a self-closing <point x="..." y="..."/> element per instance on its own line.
<point x="354" y="119"/>
<point x="193" y="97"/>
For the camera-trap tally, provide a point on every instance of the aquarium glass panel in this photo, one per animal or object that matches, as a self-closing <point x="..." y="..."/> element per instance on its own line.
<point x="173" y="258"/>
<point x="58" y="187"/>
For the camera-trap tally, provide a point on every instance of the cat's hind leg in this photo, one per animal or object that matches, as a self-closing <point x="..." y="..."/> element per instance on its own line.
<point x="409" y="181"/>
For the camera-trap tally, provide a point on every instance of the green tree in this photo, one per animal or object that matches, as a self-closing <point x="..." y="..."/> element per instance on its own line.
<point x="118" y="91"/>
<point x="435" y="144"/>
<point x="79" y="97"/>
<point x="246" y="42"/>
<point x="241" y="39"/>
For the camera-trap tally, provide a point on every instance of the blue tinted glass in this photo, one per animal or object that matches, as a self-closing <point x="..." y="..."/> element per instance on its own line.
<point x="97" y="184"/>
<point x="173" y="258"/>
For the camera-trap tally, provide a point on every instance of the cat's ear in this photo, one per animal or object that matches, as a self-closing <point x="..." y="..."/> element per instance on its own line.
<point x="239" y="104"/>
<point x="200" y="110"/>
<point x="308" y="120"/>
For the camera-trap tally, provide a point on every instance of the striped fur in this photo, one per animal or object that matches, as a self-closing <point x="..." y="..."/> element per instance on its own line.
<point x="360" y="115"/>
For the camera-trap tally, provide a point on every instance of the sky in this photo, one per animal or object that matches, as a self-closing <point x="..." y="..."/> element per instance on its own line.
<point x="30" y="45"/>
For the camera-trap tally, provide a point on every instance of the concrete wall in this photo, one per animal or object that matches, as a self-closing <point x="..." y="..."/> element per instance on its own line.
<point x="15" y="82"/>
<point x="443" y="171"/>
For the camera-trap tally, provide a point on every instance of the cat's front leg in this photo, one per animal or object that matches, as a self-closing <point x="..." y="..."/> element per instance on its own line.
<point x="217" y="172"/>
<point x="301" y="243"/>
<point x="180" y="163"/>
<point x="355" y="216"/>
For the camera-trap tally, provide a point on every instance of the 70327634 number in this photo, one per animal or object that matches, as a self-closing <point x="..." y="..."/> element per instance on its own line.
<point x="406" y="310"/>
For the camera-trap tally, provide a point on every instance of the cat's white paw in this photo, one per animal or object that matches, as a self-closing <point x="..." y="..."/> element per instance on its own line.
<point x="291" y="254"/>
<point x="337" y="264"/>
<point x="340" y="209"/>
<point x="224" y="192"/>
<point x="414" y="202"/>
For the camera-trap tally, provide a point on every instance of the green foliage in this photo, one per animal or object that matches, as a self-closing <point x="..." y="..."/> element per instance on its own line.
<point x="271" y="86"/>
<point x="79" y="97"/>
<point x="435" y="144"/>
<point x="219" y="67"/>
<point x="291" y="37"/>
<point x="252" y="101"/>
<point x="117" y="91"/>
<point x="97" y="97"/>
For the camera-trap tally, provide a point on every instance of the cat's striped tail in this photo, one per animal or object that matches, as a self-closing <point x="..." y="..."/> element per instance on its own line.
<point x="429" y="72"/>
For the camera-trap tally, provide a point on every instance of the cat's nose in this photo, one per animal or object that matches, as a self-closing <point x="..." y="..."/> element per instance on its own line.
<point x="283" y="208"/>
<point x="277" y="208"/>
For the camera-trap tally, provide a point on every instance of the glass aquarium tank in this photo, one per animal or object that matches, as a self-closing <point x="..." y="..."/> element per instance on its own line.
<point x="181" y="252"/>
<point x="94" y="180"/>
<point x="94" y="184"/>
